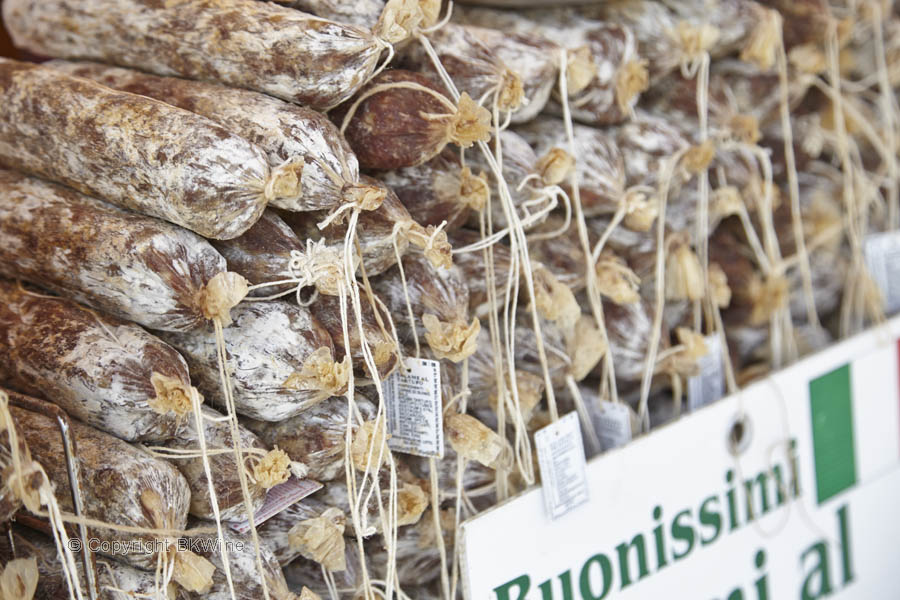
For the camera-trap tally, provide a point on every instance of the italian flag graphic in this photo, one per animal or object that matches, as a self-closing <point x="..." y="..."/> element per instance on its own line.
<point x="853" y="437"/>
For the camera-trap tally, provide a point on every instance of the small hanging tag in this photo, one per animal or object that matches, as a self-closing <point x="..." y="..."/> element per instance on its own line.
<point x="279" y="498"/>
<point x="613" y="424"/>
<point x="414" y="409"/>
<point x="882" y="252"/>
<point x="709" y="385"/>
<point x="561" y="459"/>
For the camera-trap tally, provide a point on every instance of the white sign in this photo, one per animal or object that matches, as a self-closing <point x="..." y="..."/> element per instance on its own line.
<point x="414" y="416"/>
<point x="882" y="253"/>
<point x="788" y="490"/>
<point x="561" y="458"/>
<point x="708" y="385"/>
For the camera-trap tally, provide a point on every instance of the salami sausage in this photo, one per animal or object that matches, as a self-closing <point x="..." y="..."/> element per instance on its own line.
<point x="263" y="253"/>
<point x="106" y="372"/>
<point x="287" y="133"/>
<point x="572" y="351"/>
<point x="226" y="480"/>
<point x="282" y="360"/>
<point x="646" y="142"/>
<point x="303" y="573"/>
<point x="520" y="70"/>
<point x="376" y="231"/>
<point x="51" y="583"/>
<point x="384" y="352"/>
<point x="411" y="503"/>
<point x="554" y="300"/>
<point x="131" y="266"/>
<point x="440" y="190"/>
<point x="362" y="13"/>
<point x="254" y="45"/>
<point x="439" y="299"/>
<point x="417" y="555"/>
<point x="604" y="73"/>
<point x="401" y="119"/>
<point x="314" y="437"/>
<point x="309" y="529"/>
<point x="600" y="165"/>
<point x="133" y="151"/>
<point x="483" y="385"/>
<point x="120" y="485"/>
<point x="529" y="177"/>
<point x="628" y="330"/>
<point x="244" y="572"/>
<point x="391" y="20"/>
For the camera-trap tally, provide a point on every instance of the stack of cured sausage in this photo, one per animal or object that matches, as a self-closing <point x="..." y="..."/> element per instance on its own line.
<point x="226" y="225"/>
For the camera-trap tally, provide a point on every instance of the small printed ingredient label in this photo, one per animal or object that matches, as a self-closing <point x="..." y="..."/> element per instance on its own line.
<point x="613" y="424"/>
<point x="414" y="409"/>
<point x="279" y="498"/>
<point x="882" y="253"/>
<point x="708" y="385"/>
<point x="561" y="459"/>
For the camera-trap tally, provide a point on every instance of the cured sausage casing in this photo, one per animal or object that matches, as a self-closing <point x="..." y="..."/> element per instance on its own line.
<point x="134" y="151"/>
<point x="110" y="374"/>
<point x="254" y="45"/>
<point x="128" y="265"/>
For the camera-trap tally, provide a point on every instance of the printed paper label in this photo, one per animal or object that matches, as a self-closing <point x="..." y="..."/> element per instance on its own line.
<point x="882" y="253"/>
<point x="279" y="498"/>
<point x="561" y="459"/>
<point x="414" y="415"/>
<point x="613" y="425"/>
<point x="709" y="385"/>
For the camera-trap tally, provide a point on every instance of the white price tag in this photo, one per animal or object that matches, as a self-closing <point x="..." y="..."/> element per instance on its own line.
<point x="414" y="409"/>
<point x="882" y="252"/>
<point x="279" y="498"/>
<point x="613" y="424"/>
<point x="561" y="458"/>
<point x="709" y="385"/>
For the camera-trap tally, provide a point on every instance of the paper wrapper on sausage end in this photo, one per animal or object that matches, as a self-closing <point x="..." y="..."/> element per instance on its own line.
<point x="472" y="440"/>
<point x="309" y="529"/>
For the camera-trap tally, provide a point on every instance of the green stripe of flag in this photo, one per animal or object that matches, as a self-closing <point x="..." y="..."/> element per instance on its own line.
<point x="831" y="407"/>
